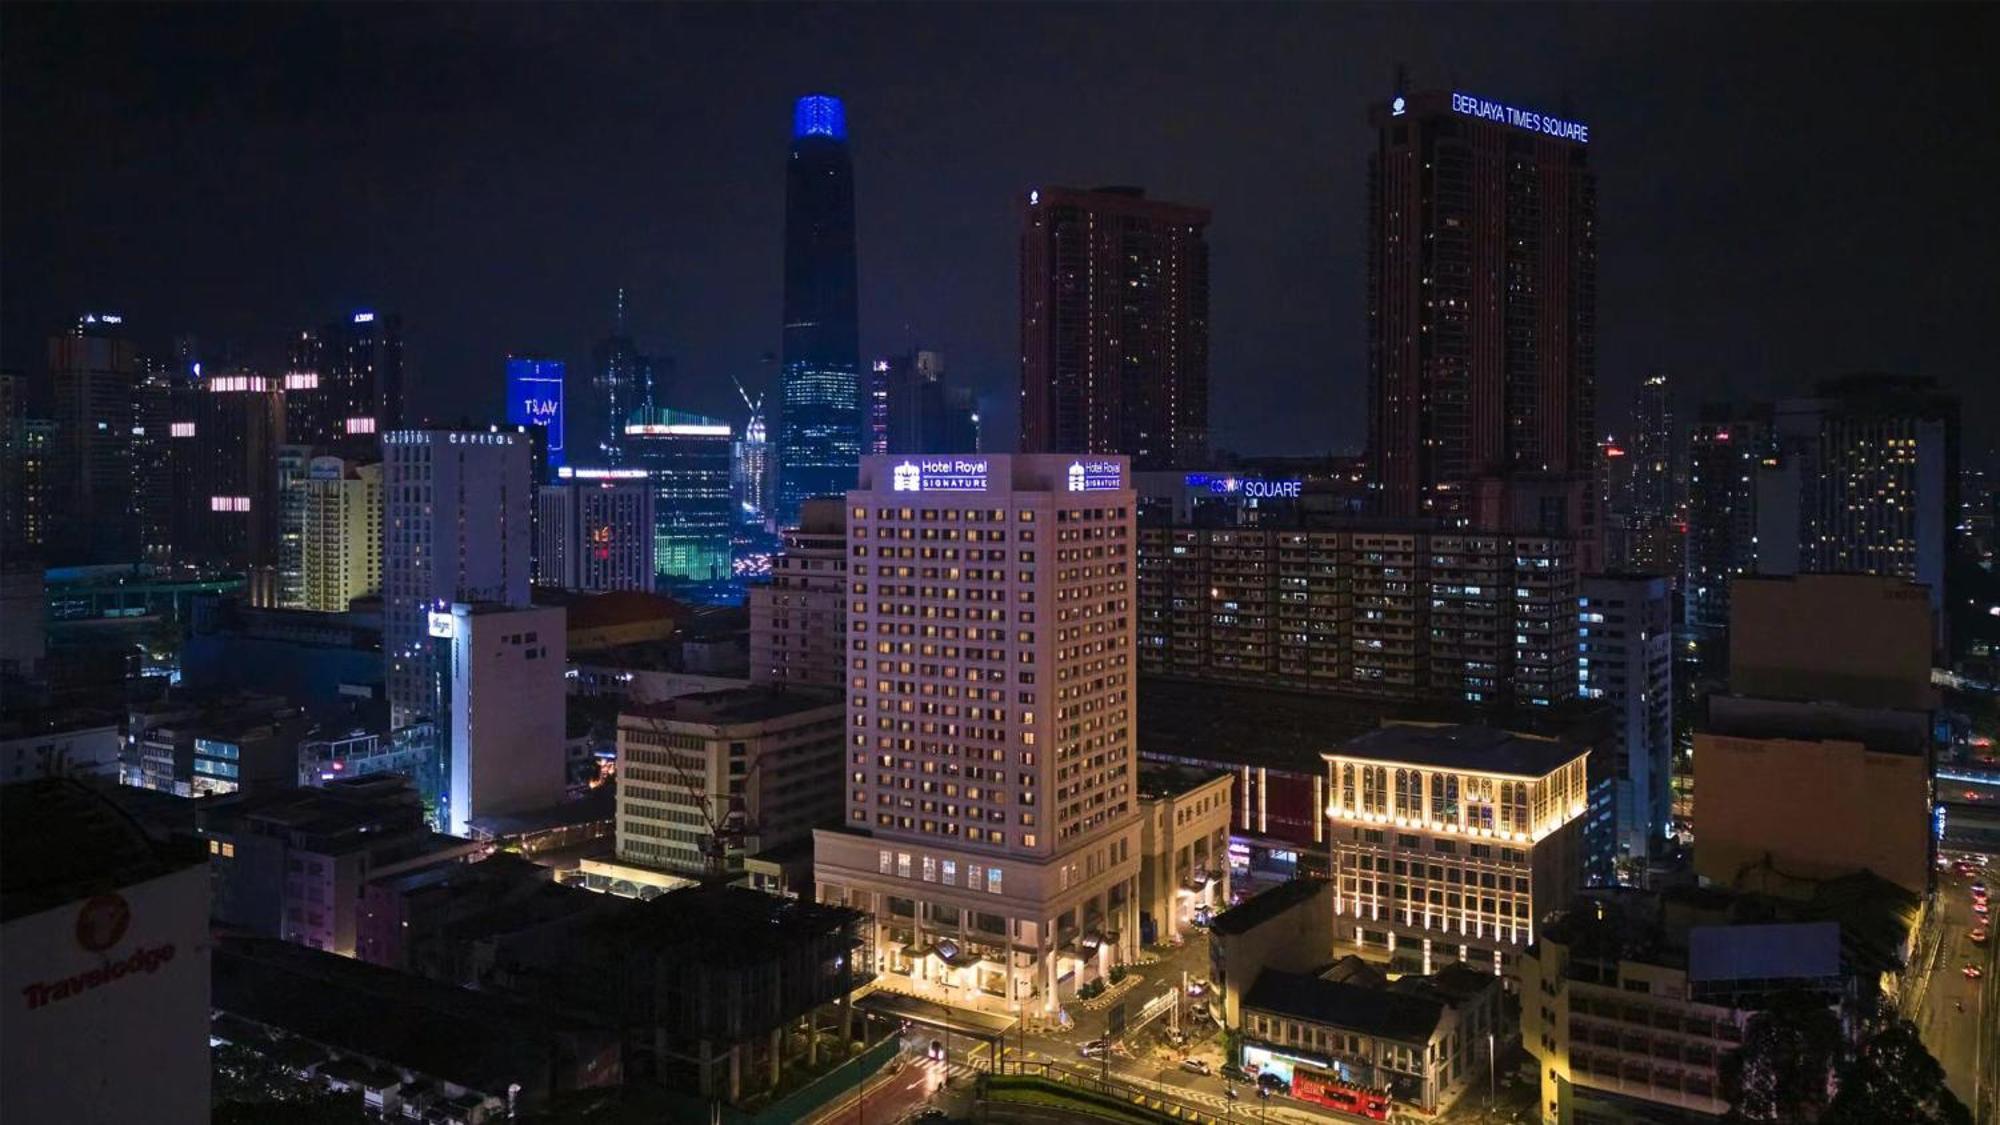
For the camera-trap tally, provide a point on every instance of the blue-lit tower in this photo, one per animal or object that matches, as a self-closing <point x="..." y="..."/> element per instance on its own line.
<point x="819" y="433"/>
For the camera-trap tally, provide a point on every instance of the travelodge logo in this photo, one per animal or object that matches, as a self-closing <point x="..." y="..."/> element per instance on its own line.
<point x="102" y="922"/>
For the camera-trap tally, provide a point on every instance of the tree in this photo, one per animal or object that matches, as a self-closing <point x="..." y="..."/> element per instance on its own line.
<point x="1893" y="1078"/>
<point x="1784" y="1070"/>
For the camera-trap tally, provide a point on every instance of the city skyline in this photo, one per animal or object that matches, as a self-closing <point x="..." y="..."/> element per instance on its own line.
<point x="1702" y="222"/>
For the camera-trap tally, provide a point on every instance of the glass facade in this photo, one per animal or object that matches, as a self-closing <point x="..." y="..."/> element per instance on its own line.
<point x="689" y="457"/>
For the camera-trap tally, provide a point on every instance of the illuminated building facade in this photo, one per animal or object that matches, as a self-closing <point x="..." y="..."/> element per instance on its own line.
<point x="689" y="460"/>
<point x="500" y="686"/>
<point x="991" y="835"/>
<point x="222" y="453"/>
<point x="1410" y="614"/>
<point x="798" y="620"/>
<point x="820" y="420"/>
<point x="1482" y="299"/>
<point x="340" y="533"/>
<point x="1448" y="842"/>
<point x="1114" y="326"/>
<point x="535" y="398"/>
<point x="1727" y="447"/>
<point x="457" y="506"/>
<point x="596" y="530"/>
<point x="1625" y="658"/>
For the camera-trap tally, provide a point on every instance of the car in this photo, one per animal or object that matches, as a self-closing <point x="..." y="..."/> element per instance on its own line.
<point x="1979" y="888"/>
<point x="1093" y="1049"/>
<point x="1973" y="972"/>
<point x="1237" y="1074"/>
<point x="1273" y="1083"/>
<point x="932" y="1114"/>
<point x="1194" y="1066"/>
<point x="935" y="1050"/>
<point x="1979" y="908"/>
<point x="1198" y="988"/>
<point x="1978" y="936"/>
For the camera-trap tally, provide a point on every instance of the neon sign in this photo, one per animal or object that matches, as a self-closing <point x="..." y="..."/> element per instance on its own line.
<point x="535" y="398"/>
<point x="1253" y="488"/>
<point x="939" y="474"/>
<point x="1096" y="476"/>
<point x="1470" y="106"/>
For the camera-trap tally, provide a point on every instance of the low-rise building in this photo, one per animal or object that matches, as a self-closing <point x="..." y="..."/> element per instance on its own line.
<point x="798" y="620"/>
<point x="213" y="745"/>
<point x="1449" y="840"/>
<point x="1183" y="849"/>
<point x="71" y="743"/>
<point x="1630" y="1002"/>
<point x="291" y="864"/>
<point x="1288" y="928"/>
<point x="106" y="971"/>
<point x="1350" y="1039"/>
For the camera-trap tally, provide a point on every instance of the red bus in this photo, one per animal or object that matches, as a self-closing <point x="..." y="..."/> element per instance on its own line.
<point x="1326" y="1090"/>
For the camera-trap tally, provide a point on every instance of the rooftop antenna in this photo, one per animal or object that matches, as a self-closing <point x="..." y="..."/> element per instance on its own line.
<point x="619" y="326"/>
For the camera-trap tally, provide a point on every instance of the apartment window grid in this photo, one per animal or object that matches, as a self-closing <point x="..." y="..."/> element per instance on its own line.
<point x="988" y="671"/>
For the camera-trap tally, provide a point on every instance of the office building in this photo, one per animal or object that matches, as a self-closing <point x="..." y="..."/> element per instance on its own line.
<point x="1651" y="503"/>
<point x="798" y="620"/>
<point x="1349" y="1039"/>
<point x="94" y="375"/>
<point x="501" y="682"/>
<point x="1448" y="842"/>
<point x="912" y="410"/>
<point x="291" y="863"/>
<point x="1482" y="298"/>
<point x="346" y="380"/>
<point x="223" y="443"/>
<point x="535" y="399"/>
<point x="689" y="459"/>
<point x="1625" y="658"/>
<point x="340" y="533"/>
<point x="819" y="425"/>
<point x="992" y="785"/>
<point x="456" y="526"/>
<point x="1286" y="928"/>
<point x="1728" y="447"/>
<point x="621" y="381"/>
<point x="710" y="779"/>
<point x="596" y="530"/>
<point x="107" y="966"/>
<point x="1361" y="611"/>
<point x="212" y="745"/>
<point x="1829" y="703"/>
<point x="1114" y="326"/>
<point x="27" y="482"/>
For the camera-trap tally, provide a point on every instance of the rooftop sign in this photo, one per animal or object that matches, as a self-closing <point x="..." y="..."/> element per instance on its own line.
<point x="1469" y="105"/>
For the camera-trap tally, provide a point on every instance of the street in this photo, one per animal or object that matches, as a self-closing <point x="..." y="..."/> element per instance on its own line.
<point x="1965" y="1042"/>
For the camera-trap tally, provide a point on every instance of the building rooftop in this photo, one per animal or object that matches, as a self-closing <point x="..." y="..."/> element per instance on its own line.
<point x="62" y="841"/>
<point x="1158" y="779"/>
<point x="1261" y="908"/>
<point x="474" y="1039"/>
<point x="729" y="706"/>
<point x="1191" y="721"/>
<point x="717" y="925"/>
<point x="1382" y="1013"/>
<point x="1481" y="749"/>
<point x="616" y="607"/>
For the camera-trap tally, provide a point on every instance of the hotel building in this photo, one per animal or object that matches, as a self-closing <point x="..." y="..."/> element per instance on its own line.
<point x="990" y="835"/>
<point x="1447" y="842"/>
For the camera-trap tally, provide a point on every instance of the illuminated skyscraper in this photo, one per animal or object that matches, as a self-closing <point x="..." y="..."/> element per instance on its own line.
<point x="346" y="380"/>
<point x="819" y="433"/>
<point x="535" y="398"/>
<point x="596" y="530"/>
<point x="621" y="381"/>
<point x="1114" y="326"/>
<point x="94" y="372"/>
<point x="1482" y="298"/>
<point x="456" y="528"/>
<point x="689" y="457"/>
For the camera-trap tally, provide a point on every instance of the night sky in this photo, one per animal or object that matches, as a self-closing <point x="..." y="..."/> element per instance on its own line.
<point x="1785" y="192"/>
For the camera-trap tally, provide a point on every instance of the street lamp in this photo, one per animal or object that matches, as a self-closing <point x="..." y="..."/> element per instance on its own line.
<point x="1491" y="1084"/>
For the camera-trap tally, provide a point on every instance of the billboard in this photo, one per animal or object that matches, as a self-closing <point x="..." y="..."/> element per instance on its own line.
<point x="535" y="398"/>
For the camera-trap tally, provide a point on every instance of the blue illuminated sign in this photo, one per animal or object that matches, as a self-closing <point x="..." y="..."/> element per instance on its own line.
<point x="1252" y="488"/>
<point x="939" y="474"/>
<point x="535" y="398"/>
<point x="1471" y="106"/>
<point x="818" y="115"/>
<point x="1397" y="107"/>
<point x="1096" y="476"/>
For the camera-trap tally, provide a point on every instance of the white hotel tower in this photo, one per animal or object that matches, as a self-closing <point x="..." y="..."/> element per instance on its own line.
<point x="990" y="829"/>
